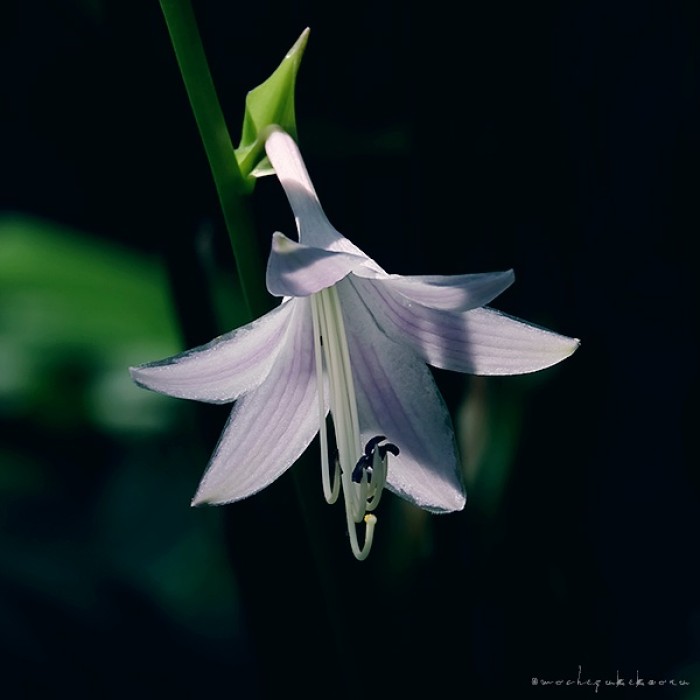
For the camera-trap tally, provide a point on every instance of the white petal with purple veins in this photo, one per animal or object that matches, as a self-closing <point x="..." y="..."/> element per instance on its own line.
<point x="481" y="341"/>
<point x="223" y="369"/>
<point x="397" y="397"/>
<point x="294" y="269"/>
<point x="312" y="224"/>
<point x="269" y="428"/>
<point x="450" y="293"/>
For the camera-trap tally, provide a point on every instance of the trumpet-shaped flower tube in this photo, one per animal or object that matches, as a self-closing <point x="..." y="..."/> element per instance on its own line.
<point x="350" y="339"/>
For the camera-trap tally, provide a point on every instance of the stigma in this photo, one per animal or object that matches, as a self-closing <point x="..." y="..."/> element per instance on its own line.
<point x="359" y="474"/>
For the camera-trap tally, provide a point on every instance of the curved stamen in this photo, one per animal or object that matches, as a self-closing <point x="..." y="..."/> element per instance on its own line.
<point x="362" y="479"/>
<point x="370" y="522"/>
<point x="373" y="459"/>
<point x="330" y="493"/>
<point x="342" y="397"/>
<point x="335" y="491"/>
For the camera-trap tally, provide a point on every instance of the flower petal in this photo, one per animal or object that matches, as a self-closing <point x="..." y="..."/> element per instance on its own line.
<point x="269" y="428"/>
<point x="481" y="341"/>
<point x="294" y="269"/>
<point x="223" y="369"/>
<point x="449" y="293"/>
<point x="312" y="224"/>
<point x="397" y="397"/>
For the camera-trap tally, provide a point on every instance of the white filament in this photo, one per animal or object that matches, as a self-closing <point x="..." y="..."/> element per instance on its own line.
<point x="331" y="351"/>
<point x="330" y="492"/>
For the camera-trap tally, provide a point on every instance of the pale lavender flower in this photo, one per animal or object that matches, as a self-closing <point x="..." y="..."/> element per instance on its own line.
<point x="350" y="338"/>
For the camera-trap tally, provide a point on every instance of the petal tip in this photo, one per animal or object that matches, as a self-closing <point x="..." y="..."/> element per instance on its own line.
<point x="137" y="376"/>
<point x="199" y="500"/>
<point x="451" y="505"/>
<point x="204" y="497"/>
<point x="283" y="244"/>
<point x="459" y="501"/>
<point x="574" y="345"/>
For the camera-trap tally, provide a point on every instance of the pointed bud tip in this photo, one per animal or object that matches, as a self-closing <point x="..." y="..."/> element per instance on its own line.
<point x="299" y="44"/>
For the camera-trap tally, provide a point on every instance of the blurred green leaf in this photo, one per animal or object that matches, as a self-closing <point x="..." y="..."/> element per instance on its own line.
<point x="88" y="288"/>
<point x="75" y="312"/>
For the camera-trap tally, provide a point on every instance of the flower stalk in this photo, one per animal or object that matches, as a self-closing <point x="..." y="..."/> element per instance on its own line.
<point x="231" y="186"/>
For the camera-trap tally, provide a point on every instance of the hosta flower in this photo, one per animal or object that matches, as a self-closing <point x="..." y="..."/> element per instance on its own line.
<point x="351" y="339"/>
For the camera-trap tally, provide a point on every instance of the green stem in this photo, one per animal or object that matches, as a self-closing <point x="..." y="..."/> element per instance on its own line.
<point x="231" y="186"/>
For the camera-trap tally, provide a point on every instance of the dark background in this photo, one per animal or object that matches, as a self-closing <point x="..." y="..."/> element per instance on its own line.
<point x="559" y="139"/>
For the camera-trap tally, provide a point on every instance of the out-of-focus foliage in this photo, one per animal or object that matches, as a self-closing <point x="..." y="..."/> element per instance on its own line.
<point x="74" y="313"/>
<point x="97" y="538"/>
